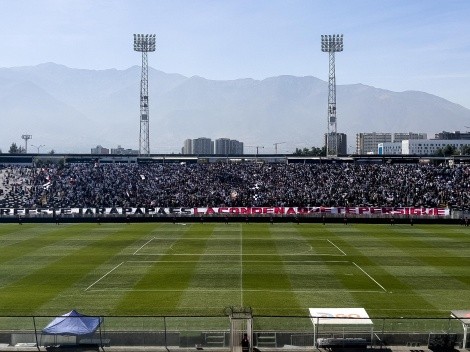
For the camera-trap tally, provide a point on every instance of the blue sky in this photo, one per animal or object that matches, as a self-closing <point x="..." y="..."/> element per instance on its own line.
<point x="392" y="44"/>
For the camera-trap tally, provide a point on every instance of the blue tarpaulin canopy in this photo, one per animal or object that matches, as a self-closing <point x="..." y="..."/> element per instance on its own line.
<point x="72" y="323"/>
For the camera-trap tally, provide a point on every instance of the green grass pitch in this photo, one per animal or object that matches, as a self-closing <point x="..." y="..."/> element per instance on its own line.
<point x="199" y="269"/>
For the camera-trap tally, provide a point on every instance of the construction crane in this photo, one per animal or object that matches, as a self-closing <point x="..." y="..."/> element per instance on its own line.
<point x="275" y="146"/>
<point x="255" y="146"/>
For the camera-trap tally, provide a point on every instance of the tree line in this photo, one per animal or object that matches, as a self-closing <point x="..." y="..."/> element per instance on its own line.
<point x="18" y="149"/>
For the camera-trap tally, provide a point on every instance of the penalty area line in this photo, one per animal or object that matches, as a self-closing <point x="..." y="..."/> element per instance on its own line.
<point x="228" y="290"/>
<point x="102" y="277"/>
<point x="301" y="262"/>
<point x="339" y="249"/>
<point x="237" y="254"/>
<point x="150" y="240"/>
<point x="370" y="277"/>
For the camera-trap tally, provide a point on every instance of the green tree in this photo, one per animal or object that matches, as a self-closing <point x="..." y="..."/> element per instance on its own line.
<point x="315" y="151"/>
<point x="448" y="150"/>
<point x="465" y="150"/>
<point x="318" y="151"/>
<point x="14" y="149"/>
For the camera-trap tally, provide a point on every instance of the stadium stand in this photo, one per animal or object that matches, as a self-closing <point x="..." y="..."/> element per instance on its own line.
<point x="15" y="186"/>
<point x="230" y="184"/>
<point x="242" y="184"/>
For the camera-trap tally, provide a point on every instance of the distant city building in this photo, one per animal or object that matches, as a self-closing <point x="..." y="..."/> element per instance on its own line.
<point x="419" y="146"/>
<point x="342" y="142"/>
<point x="367" y="143"/>
<point x="227" y="146"/>
<point x="236" y="147"/>
<point x="382" y="143"/>
<point x="202" y="145"/>
<point x="187" y="147"/>
<point x="398" y="137"/>
<point x="99" y="150"/>
<point x="121" y="151"/>
<point x="222" y="146"/>
<point x="452" y="135"/>
<point x="430" y="146"/>
<point x="390" y="148"/>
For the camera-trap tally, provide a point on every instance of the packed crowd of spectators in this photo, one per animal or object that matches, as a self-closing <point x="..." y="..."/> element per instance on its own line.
<point x="232" y="184"/>
<point x="15" y="185"/>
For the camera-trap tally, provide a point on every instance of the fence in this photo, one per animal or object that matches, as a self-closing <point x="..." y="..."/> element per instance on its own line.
<point x="268" y="332"/>
<point x="455" y="217"/>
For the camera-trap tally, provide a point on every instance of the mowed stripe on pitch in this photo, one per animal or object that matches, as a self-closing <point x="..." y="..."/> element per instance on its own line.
<point x="379" y="248"/>
<point x="273" y="279"/>
<point x="215" y="282"/>
<point x="91" y="248"/>
<point x="171" y="274"/>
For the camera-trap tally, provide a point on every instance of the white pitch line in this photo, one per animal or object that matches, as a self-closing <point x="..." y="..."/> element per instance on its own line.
<point x="303" y="241"/>
<point x="339" y="249"/>
<point x="234" y="238"/>
<point x="150" y="240"/>
<point x="230" y="290"/>
<point x="370" y="277"/>
<point x="245" y="261"/>
<point x="102" y="277"/>
<point x="246" y="254"/>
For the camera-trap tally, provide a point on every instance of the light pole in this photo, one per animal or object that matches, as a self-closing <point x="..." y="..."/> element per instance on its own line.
<point x="38" y="146"/>
<point x="144" y="43"/>
<point x="332" y="44"/>
<point x="26" y="138"/>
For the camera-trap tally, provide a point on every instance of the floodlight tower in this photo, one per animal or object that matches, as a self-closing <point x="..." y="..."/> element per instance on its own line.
<point x="26" y="138"/>
<point x="332" y="44"/>
<point x="144" y="43"/>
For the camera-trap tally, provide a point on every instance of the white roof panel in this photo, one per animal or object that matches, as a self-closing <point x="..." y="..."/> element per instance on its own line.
<point x="340" y="316"/>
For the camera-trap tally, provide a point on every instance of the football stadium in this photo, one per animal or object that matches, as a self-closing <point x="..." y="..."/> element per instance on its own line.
<point x="207" y="247"/>
<point x="198" y="254"/>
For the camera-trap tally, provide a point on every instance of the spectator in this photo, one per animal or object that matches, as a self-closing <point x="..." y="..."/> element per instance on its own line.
<point x="225" y="184"/>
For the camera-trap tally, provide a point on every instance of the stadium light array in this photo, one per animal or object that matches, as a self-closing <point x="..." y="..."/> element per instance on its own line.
<point x="332" y="43"/>
<point x="144" y="42"/>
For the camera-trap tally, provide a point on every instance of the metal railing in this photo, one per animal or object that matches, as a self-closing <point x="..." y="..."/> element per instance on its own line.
<point x="175" y="332"/>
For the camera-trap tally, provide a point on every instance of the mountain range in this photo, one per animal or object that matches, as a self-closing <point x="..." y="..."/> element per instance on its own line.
<point x="73" y="110"/>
